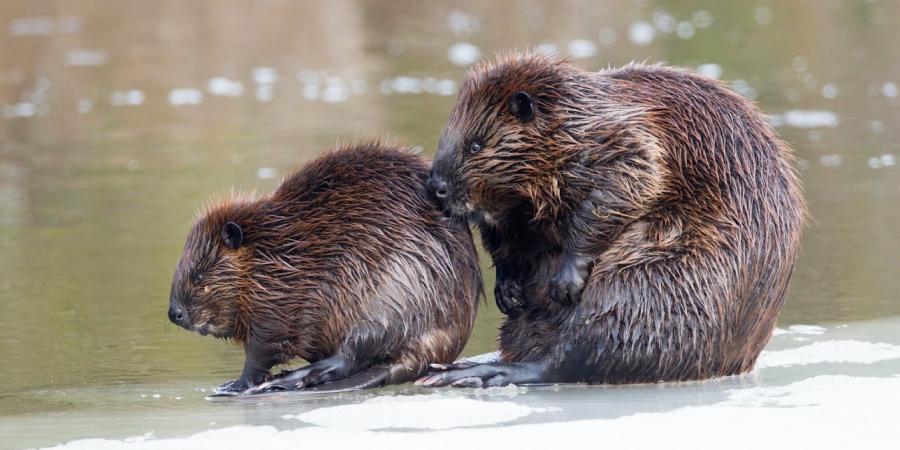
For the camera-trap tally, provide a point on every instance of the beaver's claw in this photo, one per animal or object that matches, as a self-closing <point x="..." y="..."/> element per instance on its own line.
<point x="508" y="295"/>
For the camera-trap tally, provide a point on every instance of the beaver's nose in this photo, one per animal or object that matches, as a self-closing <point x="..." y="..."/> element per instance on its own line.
<point x="437" y="187"/>
<point x="176" y="315"/>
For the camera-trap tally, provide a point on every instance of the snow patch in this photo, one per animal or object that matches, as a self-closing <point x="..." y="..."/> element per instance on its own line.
<point x="823" y="389"/>
<point x="426" y="412"/>
<point x="857" y="352"/>
<point x="822" y="412"/>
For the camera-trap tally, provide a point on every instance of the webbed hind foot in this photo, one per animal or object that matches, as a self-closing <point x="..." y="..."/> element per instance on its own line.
<point x="484" y="375"/>
<point x="326" y="370"/>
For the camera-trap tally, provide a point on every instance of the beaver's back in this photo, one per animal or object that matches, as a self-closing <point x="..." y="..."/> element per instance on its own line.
<point x="732" y="180"/>
<point x="720" y="156"/>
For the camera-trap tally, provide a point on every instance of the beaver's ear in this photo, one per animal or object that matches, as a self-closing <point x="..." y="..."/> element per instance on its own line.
<point x="520" y="106"/>
<point x="232" y="235"/>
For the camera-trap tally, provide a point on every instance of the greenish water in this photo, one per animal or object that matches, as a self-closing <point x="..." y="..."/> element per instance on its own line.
<point x="119" y="119"/>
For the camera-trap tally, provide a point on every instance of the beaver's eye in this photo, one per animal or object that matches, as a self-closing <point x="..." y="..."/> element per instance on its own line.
<point x="197" y="278"/>
<point x="474" y="146"/>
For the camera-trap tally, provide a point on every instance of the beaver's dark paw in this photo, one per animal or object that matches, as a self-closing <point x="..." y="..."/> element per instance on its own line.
<point x="231" y="388"/>
<point x="323" y="371"/>
<point x="465" y="375"/>
<point x="278" y="384"/>
<point x="287" y="381"/>
<point x="482" y="375"/>
<point x="508" y="294"/>
<point x="566" y="285"/>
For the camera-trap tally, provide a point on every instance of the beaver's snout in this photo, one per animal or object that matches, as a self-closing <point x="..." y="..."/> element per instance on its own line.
<point x="437" y="187"/>
<point x="178" y="316"/>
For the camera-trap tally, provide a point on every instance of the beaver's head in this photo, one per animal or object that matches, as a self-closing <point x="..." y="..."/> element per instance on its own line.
<point x="206" y="288"/>
<point x="501" y="147"/>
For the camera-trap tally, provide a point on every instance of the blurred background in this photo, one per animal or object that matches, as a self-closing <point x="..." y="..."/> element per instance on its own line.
<point x="119" y="119"/>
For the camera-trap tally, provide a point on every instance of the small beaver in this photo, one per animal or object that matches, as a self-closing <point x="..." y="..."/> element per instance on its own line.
<point x="348" y="265"/>
<point x="643" y="222"/>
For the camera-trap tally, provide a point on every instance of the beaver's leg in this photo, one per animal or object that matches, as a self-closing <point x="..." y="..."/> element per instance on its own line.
<point x="333" y="368"/>
<point x="258" y="360"/>
<point x="566" y="285"/>
<point x="622" y="189"/>
<point x="372" y="377"/>
<point x="509" y="276"/>
<point x="528" y="355"/>
<point x="573" y="363"/>
<point x="357" y="353"/>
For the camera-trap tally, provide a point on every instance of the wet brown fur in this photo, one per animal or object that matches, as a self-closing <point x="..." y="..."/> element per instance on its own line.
<point x="347" y="255"/>
<point x="683" y="197"/>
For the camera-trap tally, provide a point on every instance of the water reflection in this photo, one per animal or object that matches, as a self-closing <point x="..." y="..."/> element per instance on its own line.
<point x="120" y="118"/>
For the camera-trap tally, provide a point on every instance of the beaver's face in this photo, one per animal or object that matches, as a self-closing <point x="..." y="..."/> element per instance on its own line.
<point x="498" y="141"/>
<point x="205" y="294"/>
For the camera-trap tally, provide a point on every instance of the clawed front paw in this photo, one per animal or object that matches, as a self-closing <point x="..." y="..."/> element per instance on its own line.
<point x="231" y="388"/>
<point x="508" y="294"/>
<point x="566" y="285"/>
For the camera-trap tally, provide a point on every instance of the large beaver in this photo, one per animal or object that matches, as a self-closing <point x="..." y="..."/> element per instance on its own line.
<point x="347" y="265"/>
<point x="643" y="221"/>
